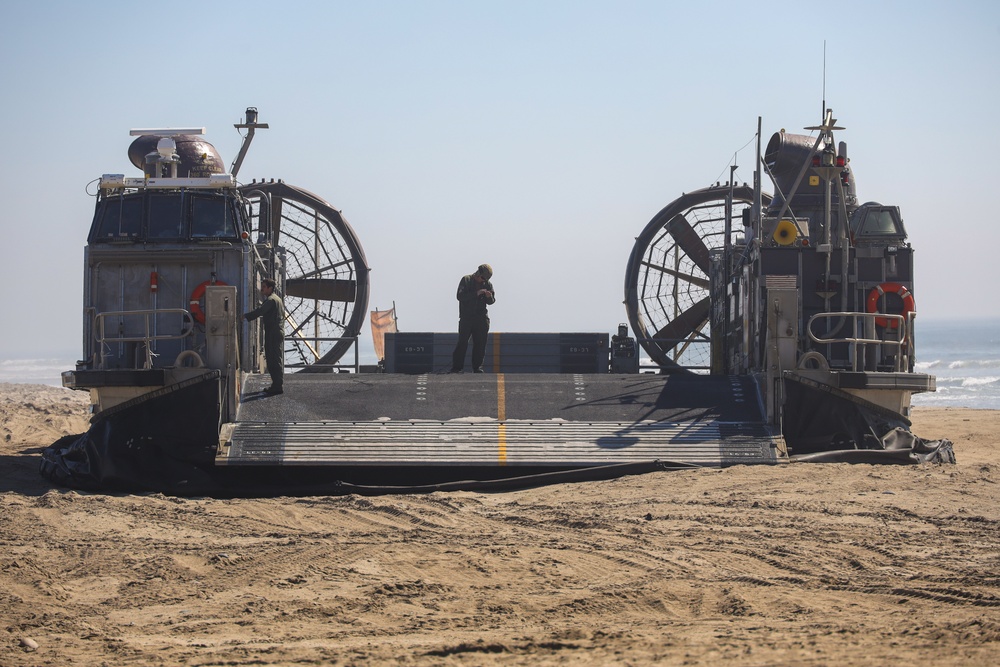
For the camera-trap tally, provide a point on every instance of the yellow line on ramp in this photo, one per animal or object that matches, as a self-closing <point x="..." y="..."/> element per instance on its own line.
<point x="501" y="417"/>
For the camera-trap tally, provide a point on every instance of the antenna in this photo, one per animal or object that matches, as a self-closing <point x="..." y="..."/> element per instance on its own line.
<point x="822" y="112"/>
<point x="250" y="126"/>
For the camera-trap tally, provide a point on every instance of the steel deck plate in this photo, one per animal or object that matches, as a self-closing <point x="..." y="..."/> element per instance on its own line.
<point x="524" y="420"/>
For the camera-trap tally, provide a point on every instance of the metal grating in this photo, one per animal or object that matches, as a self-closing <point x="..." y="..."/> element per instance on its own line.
<point x="781" y="282"/>
<point x="491" y="443"/>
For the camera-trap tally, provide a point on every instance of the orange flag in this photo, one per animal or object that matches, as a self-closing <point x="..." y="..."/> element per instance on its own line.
<point x="383" y="322"/>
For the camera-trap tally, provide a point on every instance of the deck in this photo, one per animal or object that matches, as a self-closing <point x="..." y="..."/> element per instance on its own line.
<point x="529" y="421"/>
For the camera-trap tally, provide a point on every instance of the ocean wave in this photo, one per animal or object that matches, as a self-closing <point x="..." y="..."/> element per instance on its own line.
<point x="980" y="381"/>
<point x="35" y="371"/>
<point x="964" y="391"/>
<point x="975" y="363"/>
<point x="962" y="396"/>
<point x="967" y="381"/>
<point x="923" y="366"/>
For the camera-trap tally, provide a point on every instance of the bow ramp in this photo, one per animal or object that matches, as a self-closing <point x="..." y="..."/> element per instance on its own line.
<point x="498" y="425"/>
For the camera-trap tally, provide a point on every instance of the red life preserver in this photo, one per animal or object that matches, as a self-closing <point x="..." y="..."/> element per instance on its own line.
<point x="878" y="291"/>
<point x="196" y="296"/>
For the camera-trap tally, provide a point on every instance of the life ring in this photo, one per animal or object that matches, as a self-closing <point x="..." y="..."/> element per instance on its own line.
<point x="186" y="355"/>
<point x="813" y="356"/>
<point x="194" y="304"/>
<point x="899" y="290"/>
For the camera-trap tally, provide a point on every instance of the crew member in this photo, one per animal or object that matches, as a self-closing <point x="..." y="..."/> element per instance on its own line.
<point x="273" y="313"/>
<point x="475" y="293"/>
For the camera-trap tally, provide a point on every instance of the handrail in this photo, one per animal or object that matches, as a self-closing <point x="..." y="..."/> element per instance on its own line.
<point x="904" y="345"/>
<point x="101" y="338"/>
<point x="357" y="362"/>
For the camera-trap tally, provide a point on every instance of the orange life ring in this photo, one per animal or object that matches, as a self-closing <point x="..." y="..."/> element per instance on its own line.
<point x="194" y="304"/>
<point x="878" y="291"/>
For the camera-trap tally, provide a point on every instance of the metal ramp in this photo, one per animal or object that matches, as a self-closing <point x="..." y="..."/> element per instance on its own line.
<point x="531" y="422"/>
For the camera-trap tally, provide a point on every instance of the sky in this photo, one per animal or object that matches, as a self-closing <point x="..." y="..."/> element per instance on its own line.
<point x="537" y="136"/>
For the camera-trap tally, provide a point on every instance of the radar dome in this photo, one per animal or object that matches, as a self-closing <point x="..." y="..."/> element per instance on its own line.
<point x="198" y="158"/>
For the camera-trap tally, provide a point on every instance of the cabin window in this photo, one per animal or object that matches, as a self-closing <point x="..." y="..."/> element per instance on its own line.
<point x="118" y="218"/>
<point x="164" y="219"/>
<point x="877" y="221"/>
<point x="211" y="217"/>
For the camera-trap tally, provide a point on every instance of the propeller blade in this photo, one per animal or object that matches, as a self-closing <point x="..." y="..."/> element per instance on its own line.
<point x="689" y="241"/>
<point x="685" y="324"/>
<point x="703" y="283"/>
<point x="322" y="289"/>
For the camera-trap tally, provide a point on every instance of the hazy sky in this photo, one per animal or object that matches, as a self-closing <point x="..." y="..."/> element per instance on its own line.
<point x="538" y="136"/>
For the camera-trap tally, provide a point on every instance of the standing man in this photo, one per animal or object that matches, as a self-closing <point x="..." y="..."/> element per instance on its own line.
<point x="273" y="313"/>
<point x="475" y="292"/>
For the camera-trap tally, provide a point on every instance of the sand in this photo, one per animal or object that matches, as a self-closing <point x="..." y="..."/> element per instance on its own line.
<point x="814" y="564"/>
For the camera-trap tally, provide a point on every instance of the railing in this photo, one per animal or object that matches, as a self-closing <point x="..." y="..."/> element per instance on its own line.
<point x="858" y="346"/>
<point x="679" y="351"/>
<point x="146" y="338"/>
<point x="357" y="362"/>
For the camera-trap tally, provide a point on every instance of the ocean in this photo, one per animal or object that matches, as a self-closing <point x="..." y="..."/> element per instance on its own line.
<point x="35" y="371"/>
<point x="964" y="355"/>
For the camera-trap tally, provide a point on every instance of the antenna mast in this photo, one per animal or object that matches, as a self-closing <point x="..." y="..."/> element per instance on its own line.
<point x="250" y="126"/>
<point x="822" y="112"/>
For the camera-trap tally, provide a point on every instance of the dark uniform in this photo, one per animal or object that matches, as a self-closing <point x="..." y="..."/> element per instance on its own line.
<point x="273" y="313"/>
<point x="473" y="319"/>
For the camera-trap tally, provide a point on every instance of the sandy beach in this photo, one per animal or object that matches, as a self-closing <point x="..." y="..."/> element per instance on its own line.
<point x="804" y="564"/>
